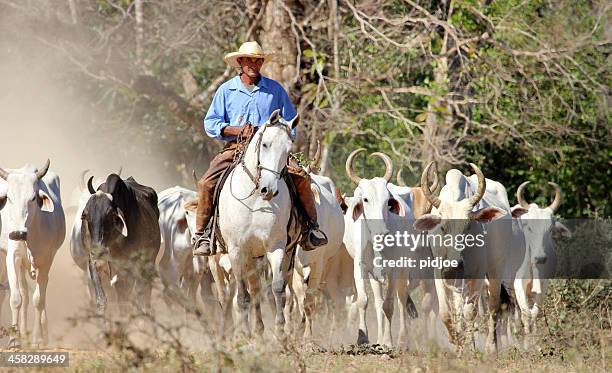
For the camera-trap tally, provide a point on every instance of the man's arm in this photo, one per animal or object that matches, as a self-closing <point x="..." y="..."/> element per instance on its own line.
<point x="230" y="131"/>
<point x="215" y="119"/>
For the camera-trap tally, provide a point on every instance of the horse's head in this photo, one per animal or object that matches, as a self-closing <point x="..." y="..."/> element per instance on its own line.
<point x="271" y="145"/>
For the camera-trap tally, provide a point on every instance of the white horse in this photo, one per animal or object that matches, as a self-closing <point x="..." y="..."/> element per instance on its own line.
<point x="254" y="210"/>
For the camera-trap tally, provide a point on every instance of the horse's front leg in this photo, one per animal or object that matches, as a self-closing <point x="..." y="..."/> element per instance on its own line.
<point x="275" y="257"/>
<point x="242" y="299"/>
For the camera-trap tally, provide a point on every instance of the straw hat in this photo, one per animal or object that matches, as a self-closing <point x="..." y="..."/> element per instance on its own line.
<point x="248" y="49"/>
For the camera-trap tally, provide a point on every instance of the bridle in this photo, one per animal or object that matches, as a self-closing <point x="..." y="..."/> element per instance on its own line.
<point x="257" y="177"/>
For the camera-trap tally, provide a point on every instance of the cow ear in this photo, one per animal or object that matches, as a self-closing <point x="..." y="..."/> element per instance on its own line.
<point x="562" y="230"/>
<point x="487" y="214"/>
<point x="396" y="207"/>
<point x="343" y="205"/>
<point x="518" y="212"/>
<point x="295" y="121"/>
<point x="191" y="206"/>
<point x="44" y="202"/>
<point x="427" y="222"/>
<point x="123" y="227"/>
<point x="181" y="224"/>
<point x="357" y="210"/>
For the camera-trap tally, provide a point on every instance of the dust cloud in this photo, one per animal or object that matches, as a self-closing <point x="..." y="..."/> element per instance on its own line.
<point x="43" y="114"/>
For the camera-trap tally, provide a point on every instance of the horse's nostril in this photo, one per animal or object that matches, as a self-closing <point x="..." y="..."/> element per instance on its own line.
<point x="264" y="190"/>
<point x="18" y="236"/>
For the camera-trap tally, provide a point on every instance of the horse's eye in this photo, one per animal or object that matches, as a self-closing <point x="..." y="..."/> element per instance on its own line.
<point x="365" y="200"/>
<point x="265" y="145"/>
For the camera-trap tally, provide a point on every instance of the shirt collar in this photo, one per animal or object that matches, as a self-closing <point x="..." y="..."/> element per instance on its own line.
<point x="236" y="84"/>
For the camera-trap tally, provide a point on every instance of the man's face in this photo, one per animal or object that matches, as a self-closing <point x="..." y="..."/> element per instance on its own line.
<point x="250" y="65"/>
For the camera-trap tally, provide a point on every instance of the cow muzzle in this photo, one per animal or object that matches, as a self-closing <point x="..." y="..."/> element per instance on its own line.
<point x="18" y="235"/>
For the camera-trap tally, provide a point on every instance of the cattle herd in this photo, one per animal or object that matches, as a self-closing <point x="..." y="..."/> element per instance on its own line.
<point x="124" y="234"/>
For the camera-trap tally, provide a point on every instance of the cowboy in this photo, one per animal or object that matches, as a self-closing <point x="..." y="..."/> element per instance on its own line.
<point x="239" y="106"/>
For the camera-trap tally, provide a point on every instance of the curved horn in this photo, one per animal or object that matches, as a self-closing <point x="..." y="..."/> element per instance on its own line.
<point x="82" y="180"/>
<point x="434" y="186"/>
<point x="557" y="201"/>
<point x="90" y="185"/>
<point x="120" y="170"/>
<point x="482" y="185"/>
<point x="519" y="195"/>
<point x="348" y="167"/>
<point x="400" y="179"/>
<point x="314" y="165"/>
<point x="388" y="164"/>
<point x="4" y="174"/>
<point x="43" y="171"/>
<point x="435" y="201"/>
<point x="195" y="178"/>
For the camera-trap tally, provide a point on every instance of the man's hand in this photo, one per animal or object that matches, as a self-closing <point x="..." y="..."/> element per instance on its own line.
<point x="246" y="131"/>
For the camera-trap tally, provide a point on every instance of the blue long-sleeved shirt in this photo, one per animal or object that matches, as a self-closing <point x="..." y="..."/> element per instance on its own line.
<point x="234" y="105"/>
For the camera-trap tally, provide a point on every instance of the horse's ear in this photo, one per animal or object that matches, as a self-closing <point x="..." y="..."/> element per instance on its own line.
<point x="274" y="116"/>
<point x="295" y="121"/>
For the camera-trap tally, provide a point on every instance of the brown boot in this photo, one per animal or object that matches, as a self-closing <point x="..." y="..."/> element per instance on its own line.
<point x="201" y="239"/>
<point x="313" y="236"/>
<point x="206" y="190"/>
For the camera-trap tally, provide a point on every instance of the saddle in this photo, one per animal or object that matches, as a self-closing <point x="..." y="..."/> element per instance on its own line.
<point x="296" y="215"/>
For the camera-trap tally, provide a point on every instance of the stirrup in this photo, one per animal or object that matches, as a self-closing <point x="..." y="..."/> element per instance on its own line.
<point x="315" y="237"/>
<point x="201" y="243"/>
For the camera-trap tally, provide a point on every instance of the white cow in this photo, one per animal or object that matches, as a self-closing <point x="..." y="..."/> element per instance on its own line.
<point x="540" y="259"/>
<point x="181" y="273"/>
<point x="311" y="266"/>
<point x="374" y="212"/>
<point x="467" y="206"/>
<point x="34" y="229"/>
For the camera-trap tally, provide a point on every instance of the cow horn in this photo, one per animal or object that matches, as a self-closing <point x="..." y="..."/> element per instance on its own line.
<point x="4" y="174"/>
<point x="82" y="179"/>
<point x="435" y="201"/>
<point x="400" y="179"/>
<point x="195" y="178"/>
<point x="349" y="166"/>
<point x="557" y="201"/>
<point x="120" y="170"/>
<point x="43" y="171"/>
<point x="90" y="185"/>
<point x="388" y="164"/>
<point x="482" y="185"/>
<point x="519" y="195"/>
<point x="314" y="165"/>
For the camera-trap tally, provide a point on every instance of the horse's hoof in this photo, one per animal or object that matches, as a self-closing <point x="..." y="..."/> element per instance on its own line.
<point x="362" y="338"/>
